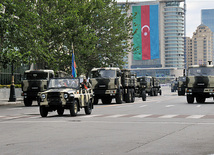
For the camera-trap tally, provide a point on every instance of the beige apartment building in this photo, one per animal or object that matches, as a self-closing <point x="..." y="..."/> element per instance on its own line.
<point x="199" y="48"/>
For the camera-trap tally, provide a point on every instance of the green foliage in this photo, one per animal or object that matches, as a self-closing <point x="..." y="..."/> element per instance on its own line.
<point x="44" y="31"/>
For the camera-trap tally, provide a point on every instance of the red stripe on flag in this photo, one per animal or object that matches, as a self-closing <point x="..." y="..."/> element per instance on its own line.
<point x="145" y="32"/>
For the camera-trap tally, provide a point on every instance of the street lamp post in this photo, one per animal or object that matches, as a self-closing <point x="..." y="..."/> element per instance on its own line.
<point x="12" y="87"/>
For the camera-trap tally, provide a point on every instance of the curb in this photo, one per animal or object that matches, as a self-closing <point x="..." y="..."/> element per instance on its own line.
<point x="5" y="101"/>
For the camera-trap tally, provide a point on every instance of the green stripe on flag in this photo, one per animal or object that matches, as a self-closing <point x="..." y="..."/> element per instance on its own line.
<point x="137" y="55"/>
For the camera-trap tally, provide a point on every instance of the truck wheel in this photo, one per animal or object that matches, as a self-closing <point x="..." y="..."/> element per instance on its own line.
<point x="128" y="96"/>
<point x="152" y="92"/>
<point x="74" y="108"/>
<point x="190" y="98"/>
<point x="119" y="98"/>
<point x="200" y="99"/>
<point x="43" y="111"/>
<point x="106" y="100"/>
<point x="160" y="92"/>
<point x="132" y="95"/>
<point x="155" y="93"/>
<point x="28" y="102"/>
<point x="95" y="101"/>
<point x="60" y="111"/>
<point x="143" y="94"/>
<point x="88" y="108"/>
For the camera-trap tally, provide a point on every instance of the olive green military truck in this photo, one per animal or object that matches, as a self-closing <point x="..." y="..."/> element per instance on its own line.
<point x="140" y="90"/>
<point x="174" y="85"/>
<point x="36" y="81"/>
<point x="66" y="93"/>
<point x="152" y="86"/>
<point x="199" y="83"/>
<point x="181" y="85"/>
<point x="111" y="82"/>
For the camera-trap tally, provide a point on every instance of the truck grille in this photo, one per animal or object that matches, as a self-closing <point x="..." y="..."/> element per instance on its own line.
<point x="54" y="98"/>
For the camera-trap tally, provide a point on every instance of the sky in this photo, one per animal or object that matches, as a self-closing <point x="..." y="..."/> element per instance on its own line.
<point x="193" y="13"/>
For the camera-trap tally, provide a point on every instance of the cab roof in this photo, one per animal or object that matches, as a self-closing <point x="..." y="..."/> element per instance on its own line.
<point x="106" y="68"/>
<point x="39" y="71"/>
<point x="194" y="66"/>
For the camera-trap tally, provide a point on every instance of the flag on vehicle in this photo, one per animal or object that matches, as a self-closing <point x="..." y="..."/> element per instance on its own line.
<point x="73" y="66"/>
<point x="146" y="39"/>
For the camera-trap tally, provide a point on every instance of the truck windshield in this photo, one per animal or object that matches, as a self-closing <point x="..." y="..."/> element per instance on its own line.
<point x="64" y="83"/>
<point x="201" y="71"/>
<point x="33" y="76"/>
<point x="104" y="74"/>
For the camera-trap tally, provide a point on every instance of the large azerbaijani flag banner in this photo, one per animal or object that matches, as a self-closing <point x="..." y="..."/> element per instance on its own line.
<point x="146" y="39"/>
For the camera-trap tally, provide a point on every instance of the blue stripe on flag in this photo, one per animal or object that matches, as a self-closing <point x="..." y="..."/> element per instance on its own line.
<point x="154" y="32"/>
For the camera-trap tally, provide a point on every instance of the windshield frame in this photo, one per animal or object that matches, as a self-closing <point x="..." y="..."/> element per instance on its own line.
<point x="102" y="73"/>
<point x="201" y="71"/>
<point x="65" y="83"/>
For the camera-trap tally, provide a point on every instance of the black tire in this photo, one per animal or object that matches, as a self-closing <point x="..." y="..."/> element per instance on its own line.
<point x="155" y="93"/>
<point x="200" y="99"/>
<point x="60" y="111"/>
<point x="160" y="92"/>
<point x="128" y="96"/>
<point x="132" y="95"/>
<point x="95" y="101"/>
<point x="190" y="99"/>
<point x="143" y="94"/>
<point x="152" y="92"/>
<point x="119" y="97"/>
<point x="28" y="102"/>
<point x="74" y="108"/>
<point x="88" y="109"/>
<point x="38" y="101"/>
<point x="106" y="100"/>
<point x="43" y="111"/>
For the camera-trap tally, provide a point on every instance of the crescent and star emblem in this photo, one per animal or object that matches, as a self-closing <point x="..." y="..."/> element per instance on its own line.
<point x="145" y="33"/>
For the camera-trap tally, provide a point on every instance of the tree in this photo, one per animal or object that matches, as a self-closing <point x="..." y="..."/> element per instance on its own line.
<point x="45" y="30"/>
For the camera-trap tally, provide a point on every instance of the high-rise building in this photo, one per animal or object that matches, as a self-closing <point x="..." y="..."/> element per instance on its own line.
<point x="159" y="41"/>
<point x="200" y="47"/>
<point x="189" y="53"/>
<point x="207" y="18"/>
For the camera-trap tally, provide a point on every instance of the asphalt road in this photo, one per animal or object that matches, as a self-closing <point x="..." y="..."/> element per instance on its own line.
<point x="162" y="125"/>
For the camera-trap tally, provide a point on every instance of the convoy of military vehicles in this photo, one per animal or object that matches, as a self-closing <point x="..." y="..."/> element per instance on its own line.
<point x="106" y="84"/>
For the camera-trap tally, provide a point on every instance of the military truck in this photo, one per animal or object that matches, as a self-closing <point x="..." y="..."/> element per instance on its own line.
<point x="140" y="90"/>
<point x="36" y="81"/>
<point x="181" y="85"/>
<point x="111" y="82"/>
<point x="174" y="85"/>
<point x="152" y="86"/>
<point x="199" y="83"/>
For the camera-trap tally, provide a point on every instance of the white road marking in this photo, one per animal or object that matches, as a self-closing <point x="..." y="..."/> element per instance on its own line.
<point x="142" y="116"/>
<point x="143" y="106"/>
<point x="195" y="116"/>
<point x="167" y="116"/>
<point x="198" y="106"/>
<point x="168" y="106"/>
<point x="115" y="116"/>
<point x="90" y="116"/>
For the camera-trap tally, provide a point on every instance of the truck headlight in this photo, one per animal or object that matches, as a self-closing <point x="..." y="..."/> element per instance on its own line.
<point x="43" y="96"/>
<point x="65" y="96"/>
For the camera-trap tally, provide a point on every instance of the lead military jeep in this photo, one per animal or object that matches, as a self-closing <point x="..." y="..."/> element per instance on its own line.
<point x="199" y="83"/>
<point x="66" y="93"/>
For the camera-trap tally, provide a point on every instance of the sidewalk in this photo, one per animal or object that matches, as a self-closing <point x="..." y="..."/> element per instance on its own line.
<point x="5" y="95"/>
<point x="5" y="101"/>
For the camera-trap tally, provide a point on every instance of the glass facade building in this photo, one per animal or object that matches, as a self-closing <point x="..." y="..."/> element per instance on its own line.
<point x="207" y="18"/>
<point x="174" y="34"/>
